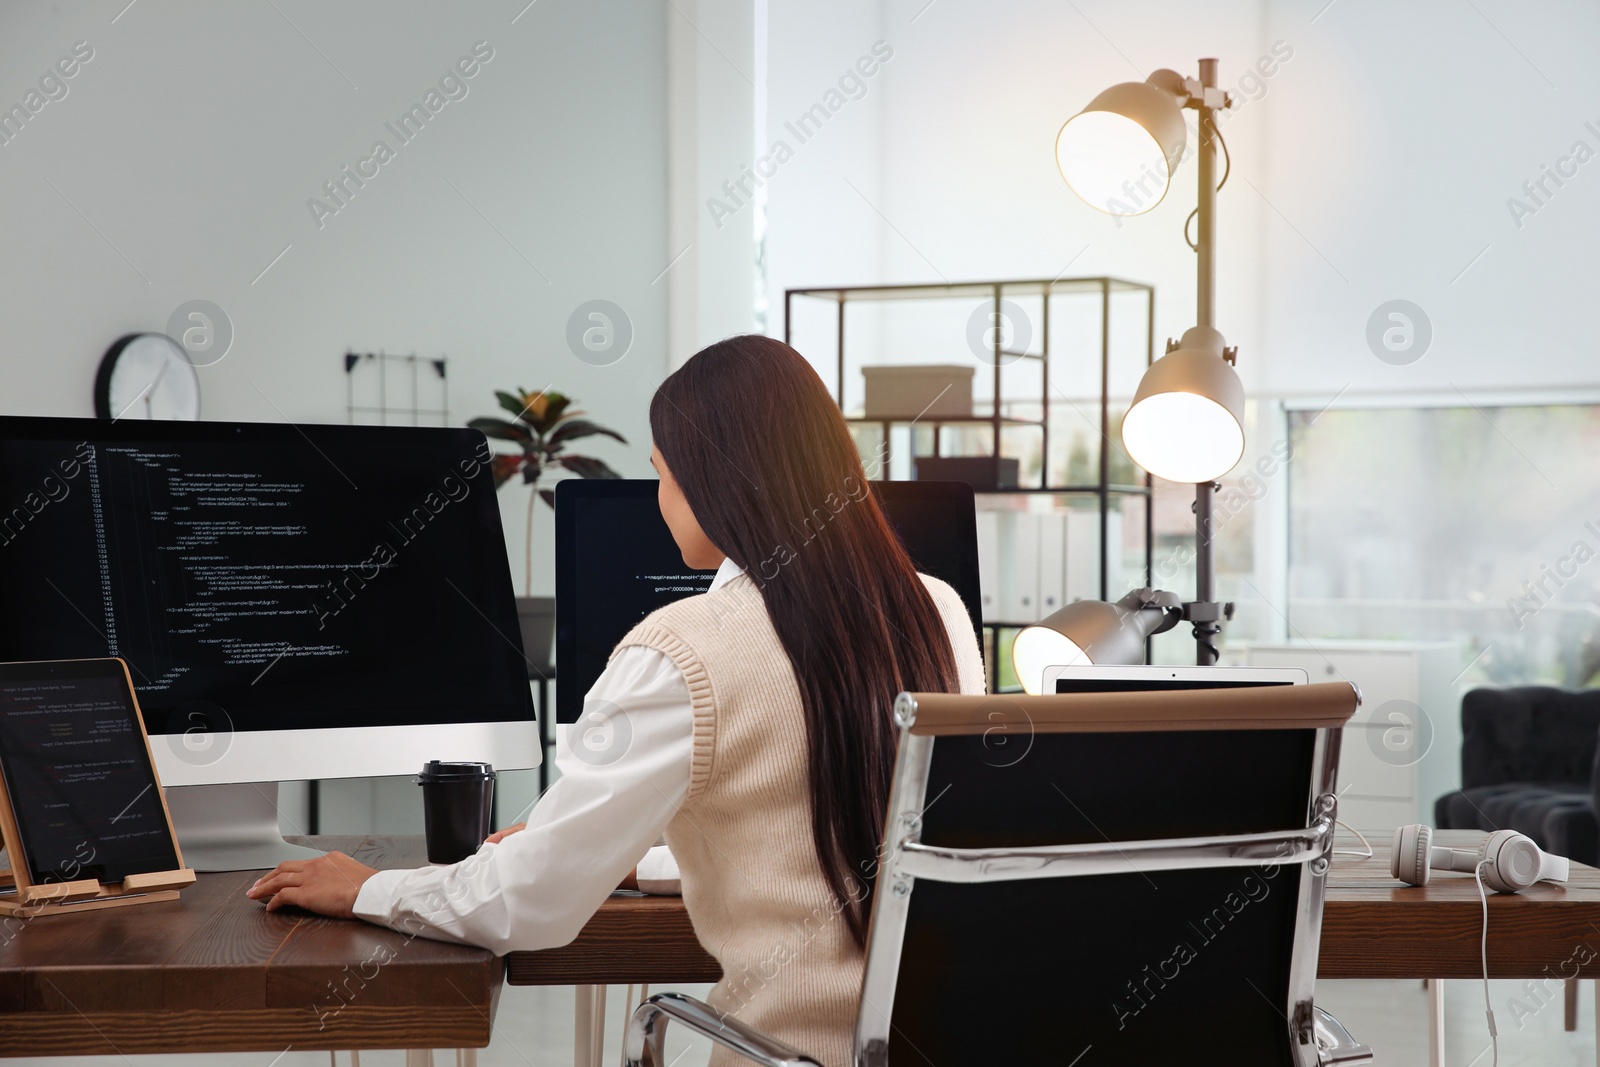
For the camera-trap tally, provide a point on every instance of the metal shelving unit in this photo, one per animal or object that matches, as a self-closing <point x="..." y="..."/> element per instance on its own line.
<point x="1043" y="289"/>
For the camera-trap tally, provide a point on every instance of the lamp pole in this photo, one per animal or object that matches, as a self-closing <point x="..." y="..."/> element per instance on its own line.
<point x="1113" y="136"/>
<point x="1204" y="612"/>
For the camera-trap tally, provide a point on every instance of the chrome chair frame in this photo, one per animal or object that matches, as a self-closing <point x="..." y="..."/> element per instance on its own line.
<point x="1317" y="1038"/>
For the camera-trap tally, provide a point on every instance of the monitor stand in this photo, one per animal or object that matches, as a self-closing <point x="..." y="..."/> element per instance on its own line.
<point x="231" y="827"/>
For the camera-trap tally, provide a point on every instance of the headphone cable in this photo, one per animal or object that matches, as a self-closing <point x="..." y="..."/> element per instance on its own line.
<point x="1367" y="855"/>
<point x="1488" y="1010"/>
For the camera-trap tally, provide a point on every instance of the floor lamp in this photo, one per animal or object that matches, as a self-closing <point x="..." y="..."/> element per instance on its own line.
<point x="1186" y="420"/>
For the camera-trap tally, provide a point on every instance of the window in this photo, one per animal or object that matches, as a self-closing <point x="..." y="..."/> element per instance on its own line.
<point x="1475" y="525"/>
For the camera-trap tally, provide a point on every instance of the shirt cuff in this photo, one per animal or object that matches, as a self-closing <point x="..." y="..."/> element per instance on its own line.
<point x="658" y="873"/>
<point x="375" y="901"/>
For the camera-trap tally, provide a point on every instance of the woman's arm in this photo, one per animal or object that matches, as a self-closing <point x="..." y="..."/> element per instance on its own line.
<point x="963" y="642"/>
<point x="621" y="780"/>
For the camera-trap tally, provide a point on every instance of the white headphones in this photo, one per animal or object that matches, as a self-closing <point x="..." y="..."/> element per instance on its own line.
<point x="1511" y="861"/>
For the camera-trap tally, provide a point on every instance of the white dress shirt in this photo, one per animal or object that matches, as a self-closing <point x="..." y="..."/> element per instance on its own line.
<point x="624" y="772"/>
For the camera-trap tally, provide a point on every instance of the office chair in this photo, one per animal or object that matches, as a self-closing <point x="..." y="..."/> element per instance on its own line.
<point x="1085" y="879"/>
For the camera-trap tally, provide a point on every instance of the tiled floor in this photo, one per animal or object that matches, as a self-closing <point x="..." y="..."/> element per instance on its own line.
<point x="1392" y="1017"/>
<point x="534" y="1029"/>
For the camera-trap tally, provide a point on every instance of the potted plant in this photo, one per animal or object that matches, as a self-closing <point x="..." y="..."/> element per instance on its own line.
<point x="541" y="426"/>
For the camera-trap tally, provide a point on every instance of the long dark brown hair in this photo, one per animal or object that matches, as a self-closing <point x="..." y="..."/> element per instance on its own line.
<point x="768" y="467"/>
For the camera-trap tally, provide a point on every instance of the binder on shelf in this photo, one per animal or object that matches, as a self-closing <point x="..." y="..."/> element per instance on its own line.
<point x="1024" y="601"/>
<point x="989" y="564"/>
<point x="1083" y="556"/>
<point x="1053" y="535"/>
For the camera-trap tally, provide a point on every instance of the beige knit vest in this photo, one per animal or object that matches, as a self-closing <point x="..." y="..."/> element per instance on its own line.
<point x="752" y="883"/>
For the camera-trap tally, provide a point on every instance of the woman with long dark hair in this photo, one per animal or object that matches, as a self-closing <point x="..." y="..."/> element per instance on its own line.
<point x="759" y="712"/>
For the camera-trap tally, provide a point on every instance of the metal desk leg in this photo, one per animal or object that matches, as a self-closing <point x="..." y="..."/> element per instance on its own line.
<point x="1435" y="1022"/>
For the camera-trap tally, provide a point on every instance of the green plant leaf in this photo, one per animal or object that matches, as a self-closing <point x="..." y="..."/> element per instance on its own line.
<point x="502" y="430"/>
<point x="511" y="402"/>
<point x="572" y="429"/>
<point x="586" y="466"/>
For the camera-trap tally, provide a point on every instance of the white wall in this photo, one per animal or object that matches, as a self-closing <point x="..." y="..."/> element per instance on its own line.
<point x="713" y="75"/>
<point x="193" y="139"/>
<point x="823" y="226"/>
<point x="1399" y="135"/>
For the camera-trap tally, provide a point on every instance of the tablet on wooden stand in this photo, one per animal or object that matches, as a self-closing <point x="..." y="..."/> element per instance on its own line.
<point x="82" y="815"/>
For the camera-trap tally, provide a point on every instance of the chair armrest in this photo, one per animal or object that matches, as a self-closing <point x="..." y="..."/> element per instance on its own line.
<point x="647" y="1032"/>
<point x="1571" y="832"/>
<point x="1335" y="1046"/>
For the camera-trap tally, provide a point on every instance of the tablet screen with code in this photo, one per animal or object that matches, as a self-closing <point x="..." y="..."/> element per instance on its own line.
<point x="78" y="773"/>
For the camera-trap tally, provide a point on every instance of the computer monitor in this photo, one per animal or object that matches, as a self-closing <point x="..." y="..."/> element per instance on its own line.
<point x="1128" y="679"/>
<point x="616" y="562"/>
<point x="292" y="601"/>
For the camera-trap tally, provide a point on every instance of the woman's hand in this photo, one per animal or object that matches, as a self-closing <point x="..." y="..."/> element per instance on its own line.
<point x="327" y="885"/>
<point x="500" y="835"/>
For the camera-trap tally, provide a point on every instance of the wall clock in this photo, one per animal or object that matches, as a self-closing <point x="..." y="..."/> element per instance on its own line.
<point x="147" y="376"/>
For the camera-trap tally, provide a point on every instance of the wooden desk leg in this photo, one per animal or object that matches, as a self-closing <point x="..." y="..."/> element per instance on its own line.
<point x="1569" y="1018"/>
<point x="599" y="1030"/>
<point x="583" y="1026"/>
<point x="1435" y="1022"/>
<point x="588" y="1026"/>
<point x="419" y="1057"/>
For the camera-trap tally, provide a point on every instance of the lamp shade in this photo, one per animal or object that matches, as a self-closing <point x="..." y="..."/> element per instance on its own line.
<point x="1091" y="631"/>
<point x="1186" y="422"/>
<point x="1118" y="154"/>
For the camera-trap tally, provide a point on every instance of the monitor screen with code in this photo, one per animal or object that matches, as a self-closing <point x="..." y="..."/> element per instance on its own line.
<point x="616" y="562"/>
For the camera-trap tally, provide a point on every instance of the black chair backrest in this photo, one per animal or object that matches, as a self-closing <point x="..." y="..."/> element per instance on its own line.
<point x="1114" y="968"/>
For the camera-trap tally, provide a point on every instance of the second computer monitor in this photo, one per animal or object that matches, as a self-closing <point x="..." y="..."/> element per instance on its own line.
<point x="616" y="562"/>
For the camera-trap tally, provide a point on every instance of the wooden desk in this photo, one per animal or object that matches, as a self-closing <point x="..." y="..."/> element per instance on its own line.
<point x="1372" y="927"/>
<point x="1375" y="927"/>
<point x="215" y="972"/>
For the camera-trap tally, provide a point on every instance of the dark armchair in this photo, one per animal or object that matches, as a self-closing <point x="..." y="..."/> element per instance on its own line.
<point x="1528" y="764"/>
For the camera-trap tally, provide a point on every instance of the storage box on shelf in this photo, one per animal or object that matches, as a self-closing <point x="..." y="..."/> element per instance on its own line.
<point x="941" y="391"/>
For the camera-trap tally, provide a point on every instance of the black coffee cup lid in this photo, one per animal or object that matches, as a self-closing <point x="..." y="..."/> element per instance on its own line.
<point x="454" y="771"/>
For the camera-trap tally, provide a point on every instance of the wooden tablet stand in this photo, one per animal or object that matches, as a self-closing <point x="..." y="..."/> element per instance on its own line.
<point x="86" y="894"/>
